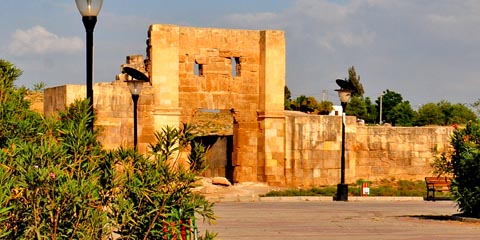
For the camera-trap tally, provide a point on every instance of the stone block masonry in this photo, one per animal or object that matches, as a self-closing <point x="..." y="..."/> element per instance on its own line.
<point x="230" y="83"/>
<point x="372" y="152"/>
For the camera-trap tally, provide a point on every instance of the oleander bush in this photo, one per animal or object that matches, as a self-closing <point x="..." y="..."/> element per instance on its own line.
<point x="465" y="163"/>
<point x="56" y="181"/>
<point x="153" y="197"/>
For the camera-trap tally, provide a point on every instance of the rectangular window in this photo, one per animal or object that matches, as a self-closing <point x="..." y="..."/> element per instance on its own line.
<point x="235" y="66"/>
<point x="198" y="69"/>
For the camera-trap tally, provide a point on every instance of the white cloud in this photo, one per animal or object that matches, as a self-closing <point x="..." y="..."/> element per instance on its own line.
<point x="37" y="40"/>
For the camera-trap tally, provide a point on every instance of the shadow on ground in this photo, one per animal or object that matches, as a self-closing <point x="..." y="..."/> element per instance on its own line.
<point x="456" y="217"/>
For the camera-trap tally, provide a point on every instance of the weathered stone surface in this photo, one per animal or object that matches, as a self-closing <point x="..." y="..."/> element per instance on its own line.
<point x="230" y="83"/>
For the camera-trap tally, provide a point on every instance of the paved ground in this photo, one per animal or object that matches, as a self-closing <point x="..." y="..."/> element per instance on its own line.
<point x="412" y="219"/>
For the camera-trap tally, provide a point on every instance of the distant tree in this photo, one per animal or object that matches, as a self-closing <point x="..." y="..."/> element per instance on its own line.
<point x="304" y="104"/>
<point x="430" y="114"/>
<point x="357" y="107"/>
<point x="389" y="100"/>
<point x="372" y="113"/>
<point x="287" y="99"/>
<point x="324" y="107"/>
<point x="402" y="114"/>
<point x="455" y="113"/>
<point x="38" y="87"/>
<point x="354" y="79"/>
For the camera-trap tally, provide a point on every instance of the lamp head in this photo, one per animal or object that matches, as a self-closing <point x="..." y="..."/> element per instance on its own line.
<point x="89" y="8"/>
<point x="344" y="94"/>
<point x="135" y="86"/>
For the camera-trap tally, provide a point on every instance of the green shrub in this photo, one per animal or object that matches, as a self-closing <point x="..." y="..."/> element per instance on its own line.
<point x="51" y="184"/>
<point x="466" y="168"/>
<point x="56" y="182"/>
<point x="153" y="195"/>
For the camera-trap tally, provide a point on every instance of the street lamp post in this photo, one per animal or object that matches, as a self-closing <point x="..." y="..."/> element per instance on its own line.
<point x="89" y="10"/>
<point x="342" y="188"/>
<point x="135" y="87"/>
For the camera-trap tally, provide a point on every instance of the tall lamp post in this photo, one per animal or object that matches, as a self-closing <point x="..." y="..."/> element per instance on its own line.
<point x="344" y="93"/>
<point x="89" y="10"/>
<point x="135" y="87"/>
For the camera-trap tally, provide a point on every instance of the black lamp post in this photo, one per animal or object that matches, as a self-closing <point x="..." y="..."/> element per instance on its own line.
<point x="135" y="87"/>
<point x="342" y="188"/>
<point x="89" y="10"/>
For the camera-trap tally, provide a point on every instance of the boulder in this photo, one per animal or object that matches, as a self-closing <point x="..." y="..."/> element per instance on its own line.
<point x="221" y="181"/>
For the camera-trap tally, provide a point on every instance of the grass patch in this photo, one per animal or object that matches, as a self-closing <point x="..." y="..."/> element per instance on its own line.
<point x="384" y="187"/>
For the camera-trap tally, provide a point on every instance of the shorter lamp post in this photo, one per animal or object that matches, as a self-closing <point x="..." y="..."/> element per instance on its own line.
<point x="342" y="188"/>
<point x="135" y="87"/>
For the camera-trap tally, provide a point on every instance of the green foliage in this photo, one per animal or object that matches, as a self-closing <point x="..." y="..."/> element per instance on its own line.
<point x="389" y="100"/>
<point x="442" y="164"/>
<point x="324" y="107"/>
<point x="357" y="107"/>
<point x="430" y="114"/>
<point x="198" y="157"/>
<point x="153" y="197"/>
<point x="466" y="168"/>
<point x="354" y="79"/>
<point x="372" y="113"/>
<point x="402" y="114"/>
<point x="55" y="191"/>
<point x="287" y="99"/>
<point x="456" y="113"/>
<point x="305" y="104"/>
<point x="17" y="121"/>
<point x="56" y="182"/>
<point x="38" y="87"/>
<point x="444" y="113"/>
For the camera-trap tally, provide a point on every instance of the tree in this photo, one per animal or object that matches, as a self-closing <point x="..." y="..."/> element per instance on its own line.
<point x="357" y="107"/>
<point x="355" y="81"/>
<point x="372" y="114"/>
<point x="444" y="113"/>
<point x="389" y="100"/>
<point x="455" y="113"/>
<point x="287" y="99"/>
<point x="402" y="115"/>
<point x="305" y="104"/>
<point x="429" y="114"/>
<point x="324" y="107"/>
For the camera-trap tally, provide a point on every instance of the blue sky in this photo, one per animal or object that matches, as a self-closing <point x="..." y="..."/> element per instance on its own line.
<point x="425" y="50"/>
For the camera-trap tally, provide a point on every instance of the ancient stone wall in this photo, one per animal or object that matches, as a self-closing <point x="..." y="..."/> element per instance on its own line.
<point x="238" y="72"/>
<point x="230" y="83"/>
<point x="313" y="150"/>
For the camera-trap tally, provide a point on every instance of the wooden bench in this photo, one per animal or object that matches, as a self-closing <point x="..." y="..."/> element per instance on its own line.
<point x="436" y="184"/>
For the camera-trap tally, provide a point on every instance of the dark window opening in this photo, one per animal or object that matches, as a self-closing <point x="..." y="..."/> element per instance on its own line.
<point x="235" y="66"/>
<point x="198" y="69"/>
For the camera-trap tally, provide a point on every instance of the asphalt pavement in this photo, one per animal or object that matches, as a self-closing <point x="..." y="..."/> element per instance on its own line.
<point x="307" y="219"/>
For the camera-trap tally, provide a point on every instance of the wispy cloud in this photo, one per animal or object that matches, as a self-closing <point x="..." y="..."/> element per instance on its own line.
<point x="38" y="40"/>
